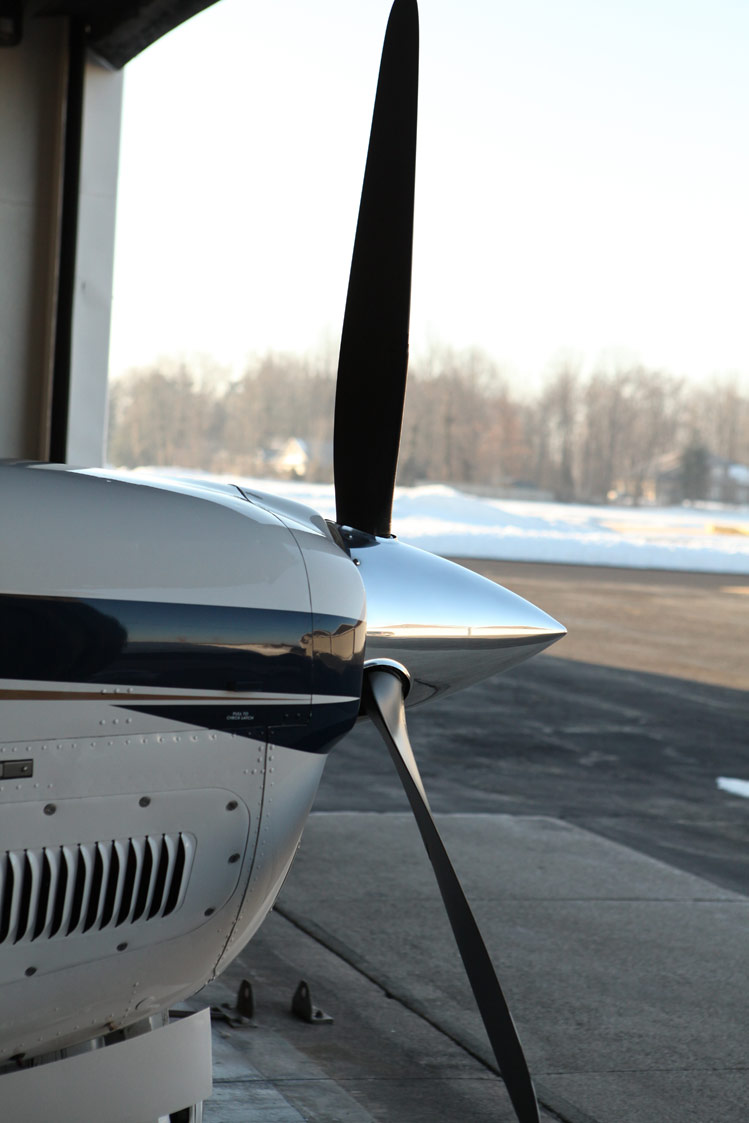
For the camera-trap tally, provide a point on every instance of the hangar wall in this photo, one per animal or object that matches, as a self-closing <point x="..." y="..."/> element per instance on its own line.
<point x="92" y="296"/>
<point x="52" y="381"/>
<point x="33" y="77"/>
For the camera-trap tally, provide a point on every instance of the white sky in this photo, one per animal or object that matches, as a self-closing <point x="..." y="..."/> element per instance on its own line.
<point x="582" y="181"/>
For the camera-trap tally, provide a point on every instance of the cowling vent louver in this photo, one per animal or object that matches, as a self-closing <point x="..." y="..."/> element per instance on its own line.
<point x="55" y="892"/>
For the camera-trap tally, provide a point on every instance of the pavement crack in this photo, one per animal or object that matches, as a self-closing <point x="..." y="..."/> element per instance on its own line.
<point x="556" y="1105"/>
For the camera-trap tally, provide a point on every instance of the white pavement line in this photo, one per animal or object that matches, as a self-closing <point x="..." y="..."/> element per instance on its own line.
<point x="735" y="787"/>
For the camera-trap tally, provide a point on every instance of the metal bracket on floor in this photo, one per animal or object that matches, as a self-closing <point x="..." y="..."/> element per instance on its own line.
<point x="239" y="1016"/>
<point x="301" y="1007"/>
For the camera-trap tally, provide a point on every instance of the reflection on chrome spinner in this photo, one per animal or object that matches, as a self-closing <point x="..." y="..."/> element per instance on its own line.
<point x="448" y="625"/>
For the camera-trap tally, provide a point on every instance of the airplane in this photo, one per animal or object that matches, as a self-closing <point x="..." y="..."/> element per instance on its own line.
<point x="177" y="658"/>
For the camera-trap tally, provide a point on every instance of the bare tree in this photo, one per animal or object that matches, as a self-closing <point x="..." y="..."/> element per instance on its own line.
<point x="157" y="417"/>
<point x="578" y="438"/>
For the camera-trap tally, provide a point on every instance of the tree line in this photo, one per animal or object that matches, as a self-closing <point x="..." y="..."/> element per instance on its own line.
<point x="577" y="437"/>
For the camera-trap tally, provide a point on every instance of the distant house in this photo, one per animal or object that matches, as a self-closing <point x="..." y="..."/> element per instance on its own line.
<point x="287" y="458"/>
<point x="663" y="482"/>
<point x="320" y="465"/>
<point x="733" y="483"/>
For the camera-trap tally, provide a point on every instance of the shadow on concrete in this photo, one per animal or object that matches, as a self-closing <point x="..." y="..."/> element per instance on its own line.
<point x="630" y="755"/>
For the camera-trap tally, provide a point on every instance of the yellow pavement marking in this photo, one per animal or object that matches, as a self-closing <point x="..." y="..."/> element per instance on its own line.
<point x="670" y="530"/>
<point x="727" y="528"/>
<point x="652" y="529"/>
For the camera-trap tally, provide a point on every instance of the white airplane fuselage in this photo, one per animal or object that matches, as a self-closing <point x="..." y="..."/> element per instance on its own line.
<point x="175" y="661"/>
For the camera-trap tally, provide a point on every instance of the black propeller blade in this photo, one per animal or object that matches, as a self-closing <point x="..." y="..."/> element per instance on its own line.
<point x="373" y="359"/>
<point x="383" y="700"/>
<point x="370" y="391"/>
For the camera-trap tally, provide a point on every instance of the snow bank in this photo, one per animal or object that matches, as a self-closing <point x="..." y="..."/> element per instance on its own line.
<point x="449" y="522"/>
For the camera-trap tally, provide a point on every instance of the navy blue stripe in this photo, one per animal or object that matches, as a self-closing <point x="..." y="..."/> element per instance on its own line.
<point x="200" y="647"/>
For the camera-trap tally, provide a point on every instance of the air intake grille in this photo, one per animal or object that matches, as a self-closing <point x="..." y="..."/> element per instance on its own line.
<point x="52" y="893"/>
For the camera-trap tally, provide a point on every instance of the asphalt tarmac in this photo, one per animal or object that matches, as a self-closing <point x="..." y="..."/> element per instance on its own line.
<point x="622" y="727"/>
<point x="578" y="796"/>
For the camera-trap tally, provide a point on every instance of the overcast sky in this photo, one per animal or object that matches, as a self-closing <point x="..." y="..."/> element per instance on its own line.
<point x="582" y="181"/>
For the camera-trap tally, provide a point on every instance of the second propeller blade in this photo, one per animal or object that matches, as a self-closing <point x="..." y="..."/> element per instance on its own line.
<point x="383" y="700"/>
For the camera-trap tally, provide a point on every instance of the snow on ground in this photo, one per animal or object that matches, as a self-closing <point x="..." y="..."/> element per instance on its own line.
<point x="711" y="539"/>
